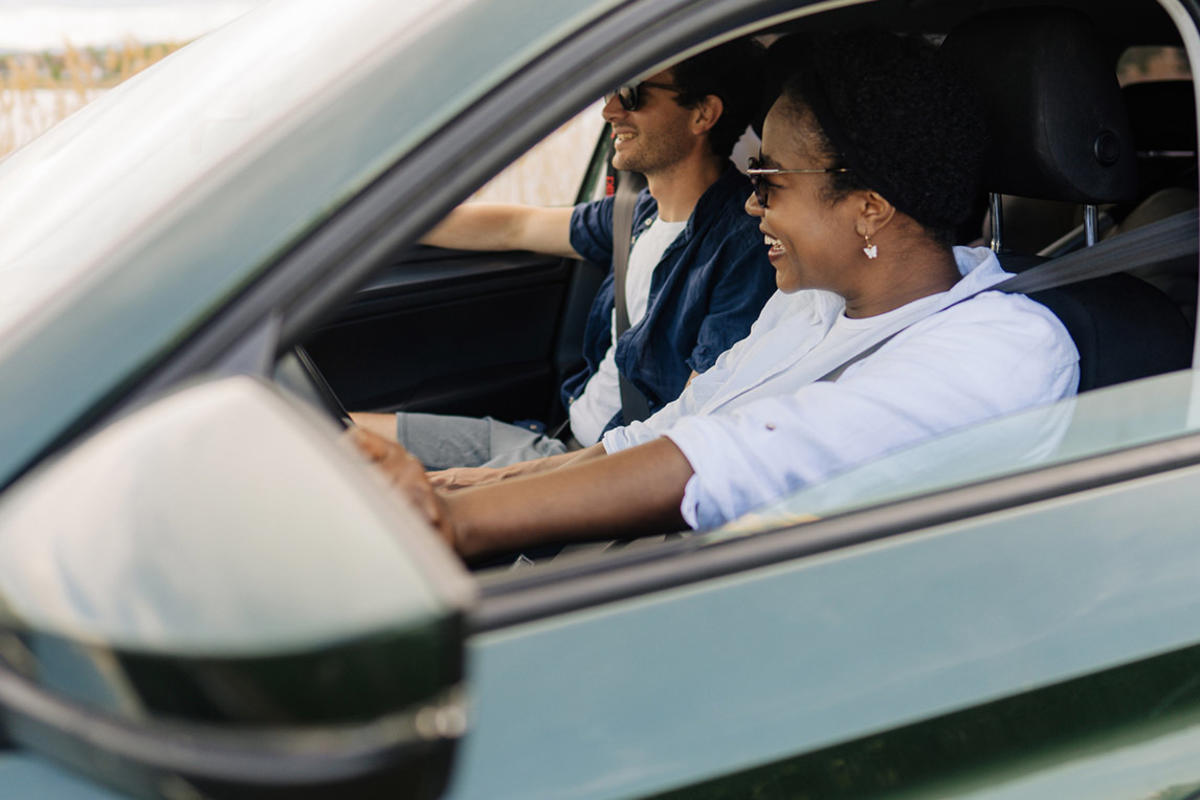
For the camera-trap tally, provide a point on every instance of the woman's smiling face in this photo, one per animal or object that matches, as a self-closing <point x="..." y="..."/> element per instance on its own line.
<point x="812" y="238"/>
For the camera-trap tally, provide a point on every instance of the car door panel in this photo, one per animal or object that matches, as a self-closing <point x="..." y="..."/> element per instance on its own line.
<point x="463" y="333"/>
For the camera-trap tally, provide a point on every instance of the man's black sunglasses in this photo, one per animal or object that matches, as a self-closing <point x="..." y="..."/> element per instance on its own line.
<point x="630" y="94"/>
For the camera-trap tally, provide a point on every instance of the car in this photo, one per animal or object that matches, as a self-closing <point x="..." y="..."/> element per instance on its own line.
<point x="204" y="593"/>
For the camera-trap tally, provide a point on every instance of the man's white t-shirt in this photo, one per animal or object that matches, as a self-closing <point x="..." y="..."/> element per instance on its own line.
<point x="601" y="398"/>
<point x="760" y="423"/>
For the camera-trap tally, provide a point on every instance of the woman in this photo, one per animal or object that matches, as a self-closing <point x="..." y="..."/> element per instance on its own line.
<point x="876" y="339"/>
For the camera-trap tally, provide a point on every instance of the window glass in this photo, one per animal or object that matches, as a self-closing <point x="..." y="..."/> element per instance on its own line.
<point x="1138" y="64"/>
<point x="1097" y="422"/>
<point x="549" y="174"/>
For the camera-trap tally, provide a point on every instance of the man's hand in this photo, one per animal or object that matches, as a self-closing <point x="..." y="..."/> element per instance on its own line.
<point x="496" y="226"/>
<point x="407" y="475"/>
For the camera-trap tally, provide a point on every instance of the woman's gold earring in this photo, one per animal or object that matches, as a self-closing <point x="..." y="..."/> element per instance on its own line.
<point x="870" y="250"/>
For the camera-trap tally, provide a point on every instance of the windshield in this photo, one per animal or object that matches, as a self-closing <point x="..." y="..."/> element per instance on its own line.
<point x="1097" y="422"/>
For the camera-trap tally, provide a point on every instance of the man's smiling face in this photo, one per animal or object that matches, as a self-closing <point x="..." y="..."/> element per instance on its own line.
<point x="656" y="136"/>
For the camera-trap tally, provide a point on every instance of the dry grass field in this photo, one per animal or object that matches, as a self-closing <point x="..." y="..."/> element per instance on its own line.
<point x="39" y="89"/>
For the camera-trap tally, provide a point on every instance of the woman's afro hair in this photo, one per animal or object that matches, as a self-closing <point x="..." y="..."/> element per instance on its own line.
<point x="891" y="113"/>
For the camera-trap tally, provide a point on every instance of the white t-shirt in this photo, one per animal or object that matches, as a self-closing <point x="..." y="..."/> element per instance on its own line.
<point x="760" y="424"/>
<point x="601" y="397"/>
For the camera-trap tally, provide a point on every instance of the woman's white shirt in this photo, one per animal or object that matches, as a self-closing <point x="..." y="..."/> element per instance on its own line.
<point x="760" y="423"/>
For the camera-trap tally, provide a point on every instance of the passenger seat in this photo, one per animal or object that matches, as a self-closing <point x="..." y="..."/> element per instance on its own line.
<point x="1059" y="132"/>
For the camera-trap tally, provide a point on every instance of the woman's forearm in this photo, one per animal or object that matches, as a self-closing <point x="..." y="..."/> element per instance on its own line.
<point x="595" y="496"/>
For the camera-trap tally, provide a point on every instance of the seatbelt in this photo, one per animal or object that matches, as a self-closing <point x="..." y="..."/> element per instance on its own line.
<point x="1172" y="237"/>
<point x="837" y="371"/>
<point x="634" y="405"/>
<point x="1168" y="238"/>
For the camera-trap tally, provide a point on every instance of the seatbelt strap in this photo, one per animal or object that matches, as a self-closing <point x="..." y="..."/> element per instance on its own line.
<point x="634" y="405"/>
<point x="837" y="371"/>
<point x="1168" y="238"/>
<point x="1172" y="237"/>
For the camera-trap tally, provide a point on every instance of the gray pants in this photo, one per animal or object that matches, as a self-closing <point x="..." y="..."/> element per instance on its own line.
<point x="441" y="441"/>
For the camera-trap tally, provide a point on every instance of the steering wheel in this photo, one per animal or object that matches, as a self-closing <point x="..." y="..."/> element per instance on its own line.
<point x="298" y="373"/>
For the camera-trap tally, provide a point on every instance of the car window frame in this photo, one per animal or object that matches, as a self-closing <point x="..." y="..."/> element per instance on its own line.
<point x="527" y="595"/>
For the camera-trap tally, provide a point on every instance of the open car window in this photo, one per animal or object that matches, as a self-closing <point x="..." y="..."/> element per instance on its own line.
<point x="1096" y="422"/>
<point x="551" y="172"/>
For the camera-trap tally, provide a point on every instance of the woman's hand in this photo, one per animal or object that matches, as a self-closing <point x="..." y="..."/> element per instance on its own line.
<point x="462" y="477"/>
<point x="407" y="475"/>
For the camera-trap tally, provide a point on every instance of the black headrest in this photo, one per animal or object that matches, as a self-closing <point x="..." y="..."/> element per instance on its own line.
<point x="1162" y="115"/>
<point x="1058" y="127"/>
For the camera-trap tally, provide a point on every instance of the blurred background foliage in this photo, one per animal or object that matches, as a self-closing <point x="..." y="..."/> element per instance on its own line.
<point x="39" y="89"/>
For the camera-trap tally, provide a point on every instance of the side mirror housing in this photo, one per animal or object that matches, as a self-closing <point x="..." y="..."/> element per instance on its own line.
<point x="215" y="593"/>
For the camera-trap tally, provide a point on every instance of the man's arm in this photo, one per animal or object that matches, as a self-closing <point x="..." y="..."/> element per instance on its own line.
<point x="496" y="226"/>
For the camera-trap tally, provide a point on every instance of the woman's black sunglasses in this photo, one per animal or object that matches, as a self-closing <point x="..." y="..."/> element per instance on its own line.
<point x="757" y="174"/>
<point x="630" y="94"/>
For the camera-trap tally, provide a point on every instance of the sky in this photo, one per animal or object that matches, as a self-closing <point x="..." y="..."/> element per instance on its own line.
<point x="43" y="24"/>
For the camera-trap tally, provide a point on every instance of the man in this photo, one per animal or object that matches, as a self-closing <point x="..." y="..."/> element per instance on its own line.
<point x="696" y="276"/>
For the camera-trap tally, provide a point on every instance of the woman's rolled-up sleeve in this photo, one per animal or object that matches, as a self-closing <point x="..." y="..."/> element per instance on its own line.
<point x="931" y="379"/>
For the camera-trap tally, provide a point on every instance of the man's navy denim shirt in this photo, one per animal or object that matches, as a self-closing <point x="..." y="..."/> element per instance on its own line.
<point x="706" y="291"/>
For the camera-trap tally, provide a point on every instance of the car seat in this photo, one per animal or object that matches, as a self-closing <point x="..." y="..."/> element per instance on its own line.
<point x="1059" y="131"/>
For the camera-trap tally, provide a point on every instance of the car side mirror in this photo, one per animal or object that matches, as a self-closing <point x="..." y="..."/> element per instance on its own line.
<point x="216" y="594"/>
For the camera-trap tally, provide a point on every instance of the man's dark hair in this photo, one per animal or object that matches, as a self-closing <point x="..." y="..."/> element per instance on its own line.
<point x="734" y="72"/>
<point x="894" y="115"/>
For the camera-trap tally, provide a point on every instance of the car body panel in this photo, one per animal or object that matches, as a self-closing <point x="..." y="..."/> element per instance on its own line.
<point x="1125" y="733"/>
<point x="587" y="704"/>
